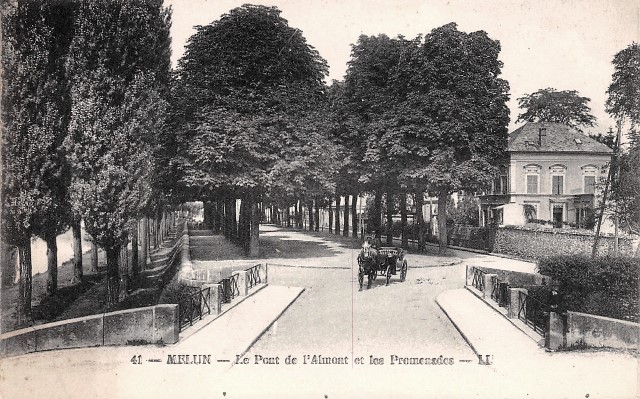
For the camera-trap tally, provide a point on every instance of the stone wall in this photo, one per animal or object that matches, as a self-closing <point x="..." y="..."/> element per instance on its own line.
<point x="597" y="331"/>
<point x="536" y="243"/>
<point x="153" y="324"/>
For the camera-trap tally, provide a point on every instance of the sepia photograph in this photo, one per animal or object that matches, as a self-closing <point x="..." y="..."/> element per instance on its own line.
<point x="320" y="199"/>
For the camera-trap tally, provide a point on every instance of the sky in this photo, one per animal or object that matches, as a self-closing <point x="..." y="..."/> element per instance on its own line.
<point x="564" y="44"/>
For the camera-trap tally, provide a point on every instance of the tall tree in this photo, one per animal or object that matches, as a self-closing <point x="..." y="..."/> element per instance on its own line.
<point x="36" y="108"/>
<point x="119" y="59"/>
<point x="244" y="82"/>
<point x="368" y="98"/>
<point x="550" y="105"/>
<point x="623" y="103"/>
<point x="462" y="113"/>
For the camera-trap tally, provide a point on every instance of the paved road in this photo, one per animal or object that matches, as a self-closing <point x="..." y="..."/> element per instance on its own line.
<point x="331" y="320"/>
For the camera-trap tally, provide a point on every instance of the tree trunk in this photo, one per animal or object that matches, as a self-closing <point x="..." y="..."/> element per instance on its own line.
<point x="76" y="229"/>
<point x="9" y="264"/>
<point x="389" y="218"/>
<point x="330" y="217"/>
<point x="254" y="237"/>
<point x="52" y="264"/>
<point x="144" y="237"/>
<point x="354" y="215"/>
<point x="317" y="214"/>
<point x="300" y="215"/>
<point x="287" y="215"/>
<point x="246" y="209"/>
<point x="23" y="305"/>
<point x="377" y="213"/>
<point x="442" y="221"/>
<point x="206" y="213"/>
<point x="219" y="216"/>
<point x="135" y="262"/>
<point x="419" y="220"/>
<point x="296" y="211"/>
<point x="311" y="215"/>
<point x="113" y="255"/>
<point x="403" y="220"/>
<point x="345" y="228"/>
<point x="337" y="216"/>
<point x="123" y="272"/>
<point x="152" y="233"/>
<point x="94" y="257"/>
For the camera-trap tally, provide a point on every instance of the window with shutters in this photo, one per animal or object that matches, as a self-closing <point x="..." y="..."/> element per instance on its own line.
<point x="589" y="176"/>
<point x="532" y="178"/>
<point x="557" y="179"/>
<point x="532" y="184"/>
<point x="589" y="184"/>
<point x="557" y="184"/>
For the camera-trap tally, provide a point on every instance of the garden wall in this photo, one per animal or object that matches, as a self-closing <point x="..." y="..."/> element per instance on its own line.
<point x="537" y="243"/>
<point x="598" y="331"/>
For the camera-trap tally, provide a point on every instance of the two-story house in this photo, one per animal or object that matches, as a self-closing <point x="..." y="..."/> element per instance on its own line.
<point x="551" y="175"/>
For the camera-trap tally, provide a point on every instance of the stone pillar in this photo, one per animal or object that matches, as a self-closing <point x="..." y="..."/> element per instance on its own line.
<point x="243" y="282"/>
<point x="488" y="285"/>
<point x="556" y="338"/>
<point x="215" y="298"/>
<point x="266" y="274"/>
<point x="514" y="303"/>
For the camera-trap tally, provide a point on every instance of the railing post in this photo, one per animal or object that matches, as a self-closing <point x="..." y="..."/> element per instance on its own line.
<point x="215" y="300"/>
<point x="555" y="337"/>
<point x="514" y="303"/>
<point x="266" y="273"/>
<point x="488" y="285"/>
<point x="243" y="282"/>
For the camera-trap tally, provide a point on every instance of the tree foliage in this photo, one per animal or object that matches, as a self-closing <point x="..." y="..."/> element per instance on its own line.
<point x="251" y="82"/>
<point x="550" y="105"/>
<point x="35" y="112"/>
<point x="623" y="101"/>
<point x="119" y="62"/>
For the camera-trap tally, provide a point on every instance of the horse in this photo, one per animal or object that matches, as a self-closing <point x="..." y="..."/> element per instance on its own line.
<point x="368" y="263"/>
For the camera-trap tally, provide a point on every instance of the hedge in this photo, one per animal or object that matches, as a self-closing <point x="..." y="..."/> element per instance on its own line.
<point x="605" y="286"/>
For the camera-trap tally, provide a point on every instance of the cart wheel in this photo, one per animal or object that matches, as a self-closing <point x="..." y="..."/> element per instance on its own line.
<point x="388" y="272"/>
<point x="403" y="271"/>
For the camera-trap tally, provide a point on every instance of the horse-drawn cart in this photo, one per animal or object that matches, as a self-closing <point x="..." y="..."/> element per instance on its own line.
<point x="383" y="261"/>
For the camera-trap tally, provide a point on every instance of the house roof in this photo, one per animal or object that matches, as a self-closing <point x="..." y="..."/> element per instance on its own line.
<point x="556" y="138"/>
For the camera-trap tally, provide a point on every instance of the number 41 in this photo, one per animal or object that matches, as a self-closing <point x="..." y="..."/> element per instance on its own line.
<point x="136" y="359"/>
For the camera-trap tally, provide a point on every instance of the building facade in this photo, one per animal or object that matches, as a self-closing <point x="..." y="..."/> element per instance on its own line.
<point x="552" y="177"/>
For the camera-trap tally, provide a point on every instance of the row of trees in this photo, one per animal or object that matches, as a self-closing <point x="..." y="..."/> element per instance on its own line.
<point x="255" y="121"/>
<point x="84" y="98"/>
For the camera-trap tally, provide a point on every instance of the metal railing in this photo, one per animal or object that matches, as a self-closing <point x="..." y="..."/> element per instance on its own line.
<point x="194" y="306"/>
<point x="230" y="288"/>
<point x="478" y="279"/>
<point x="253" y="276"/>
<point x="500" y="291"/>
<point x="534" y="313"/>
